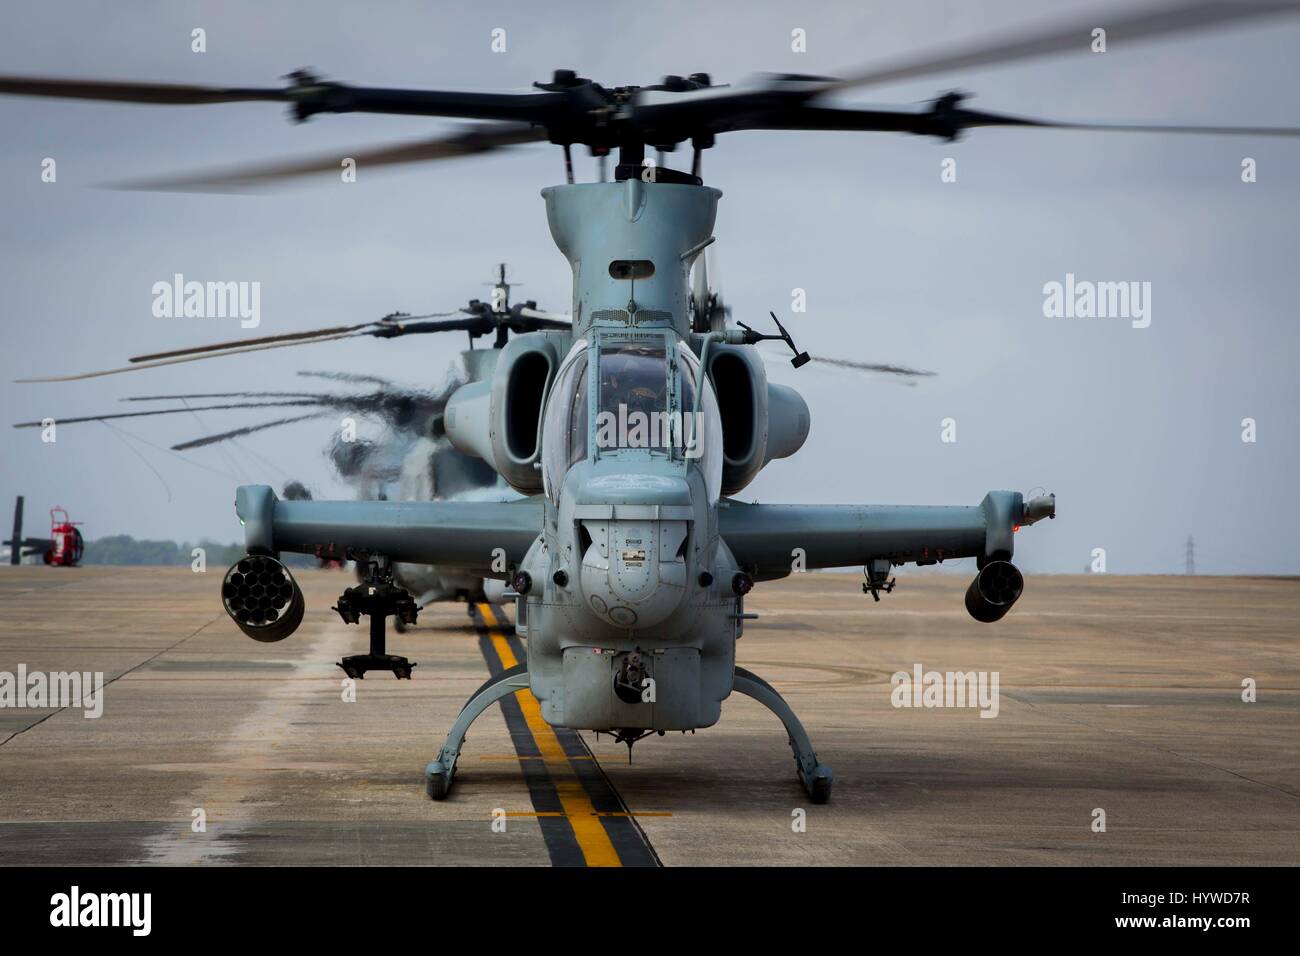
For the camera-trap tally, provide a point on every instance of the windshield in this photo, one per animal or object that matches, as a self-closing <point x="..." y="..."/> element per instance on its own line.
<point x="633" y="394"/>
<point x="645" y="398"/>
<point x="564" y="430"/>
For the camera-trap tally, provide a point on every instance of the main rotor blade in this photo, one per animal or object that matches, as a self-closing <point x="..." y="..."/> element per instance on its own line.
<point x="309" y="96"/>
<point x="882" y="368"/>
<point x="180" y="360"/>
<point x="1074" y="36"/>
<point x="207" y="395"/>
<point x="380" y="329"/>
<point x="288" y="337"/>
<point x="263" y="340"/>
<point x="234" y="179"/>
<point x="873" y="367"/>
<point x="399" y="406"/>
<point x="474" y="323"/>
<point x="1195" y="130"/>
<point x="547" y="320"/>
<point x="240" y="432"/>
<point x="356" y="378"/>
<point x="949" y="122"/>
<point x="170" y="94"/>
<point x="165" y="411"/>
<point x="313" y="96"/>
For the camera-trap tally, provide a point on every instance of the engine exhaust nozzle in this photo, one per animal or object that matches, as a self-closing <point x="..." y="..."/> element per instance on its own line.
<point x="998" y="586"/>
<point x="262" y="598"/>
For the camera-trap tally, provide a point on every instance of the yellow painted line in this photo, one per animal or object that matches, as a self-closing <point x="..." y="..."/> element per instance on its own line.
<point x="599" y="813"/>
<point x="594" y="842"/>
<point x="517" y="757"/>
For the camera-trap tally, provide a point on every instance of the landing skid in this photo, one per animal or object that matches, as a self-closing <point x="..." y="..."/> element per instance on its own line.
<point x="815" y="776"/>
<point x="438" y="774"/>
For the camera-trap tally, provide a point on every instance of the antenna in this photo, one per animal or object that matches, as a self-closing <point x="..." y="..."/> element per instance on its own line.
<point x="501" y="291"/>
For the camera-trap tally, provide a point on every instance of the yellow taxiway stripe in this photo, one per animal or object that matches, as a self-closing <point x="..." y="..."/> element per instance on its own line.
<point x="594" y="842"/>
<point x="544" y="813"/>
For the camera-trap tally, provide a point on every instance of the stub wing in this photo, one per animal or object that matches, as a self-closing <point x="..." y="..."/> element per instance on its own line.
<point x="769" y="541"/>
<point x="472" y="536"/>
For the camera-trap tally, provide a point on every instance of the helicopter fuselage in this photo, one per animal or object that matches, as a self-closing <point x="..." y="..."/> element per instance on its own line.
<point x="629" y="604"/>
<point x="626" y="554"/>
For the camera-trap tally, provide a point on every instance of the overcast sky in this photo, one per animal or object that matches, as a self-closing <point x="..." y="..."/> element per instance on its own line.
<point x="1137" y="430"/>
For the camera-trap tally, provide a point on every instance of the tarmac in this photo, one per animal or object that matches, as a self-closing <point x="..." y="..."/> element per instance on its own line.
<point x="1121" y="735"/>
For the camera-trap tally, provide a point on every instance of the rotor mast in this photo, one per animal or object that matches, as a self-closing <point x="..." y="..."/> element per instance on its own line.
<point x="631" y="244"/>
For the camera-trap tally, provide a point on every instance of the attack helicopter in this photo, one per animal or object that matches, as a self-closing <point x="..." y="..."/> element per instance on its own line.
<point x="412" y="460"/>
<point x="628" y="435"/>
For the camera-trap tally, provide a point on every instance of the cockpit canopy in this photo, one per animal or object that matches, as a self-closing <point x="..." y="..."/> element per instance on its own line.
<point x="630" y="395"/>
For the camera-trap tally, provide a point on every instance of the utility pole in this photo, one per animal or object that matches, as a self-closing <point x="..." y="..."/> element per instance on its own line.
<point x="1191" y="555"/>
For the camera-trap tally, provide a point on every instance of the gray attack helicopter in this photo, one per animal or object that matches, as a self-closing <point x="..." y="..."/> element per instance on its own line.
<point x="412" y="460"/>
<point x="628" y="435"/>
